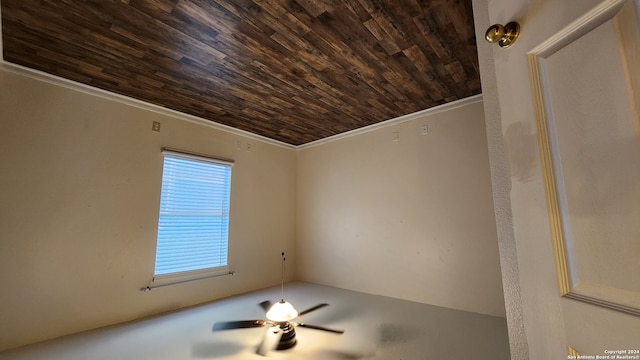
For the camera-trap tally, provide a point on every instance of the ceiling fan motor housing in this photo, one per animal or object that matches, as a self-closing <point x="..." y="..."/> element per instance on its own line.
<point x="288" y="339"/>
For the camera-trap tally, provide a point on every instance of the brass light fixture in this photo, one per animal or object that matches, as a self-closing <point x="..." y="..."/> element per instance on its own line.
<point x="505" y="35"/>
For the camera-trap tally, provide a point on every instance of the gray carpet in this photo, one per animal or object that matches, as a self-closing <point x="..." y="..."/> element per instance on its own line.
<point x="376" y="327"/>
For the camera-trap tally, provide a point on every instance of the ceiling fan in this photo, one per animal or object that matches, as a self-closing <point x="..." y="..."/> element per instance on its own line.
<point x="280" y="316"/>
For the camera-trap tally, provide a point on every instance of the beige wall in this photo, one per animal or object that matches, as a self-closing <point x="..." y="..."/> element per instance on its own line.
<point x="410" y="219"/>
<point x="80" y="183"/>
<point x="80" y="178"/>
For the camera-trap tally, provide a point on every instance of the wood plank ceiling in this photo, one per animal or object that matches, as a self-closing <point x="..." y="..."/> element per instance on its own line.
<point x="290" y="70"/>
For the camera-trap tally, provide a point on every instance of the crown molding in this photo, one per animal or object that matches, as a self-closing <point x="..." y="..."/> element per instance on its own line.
<point x="126" y="100"/>
<point x="123" y="99"/>
<point x="395" y="121"/>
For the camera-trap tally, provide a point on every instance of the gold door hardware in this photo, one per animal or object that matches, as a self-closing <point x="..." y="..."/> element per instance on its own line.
<point x="505" y="35"/>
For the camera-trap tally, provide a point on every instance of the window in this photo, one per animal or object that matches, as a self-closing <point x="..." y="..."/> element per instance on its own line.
<point x="193" y="224"/>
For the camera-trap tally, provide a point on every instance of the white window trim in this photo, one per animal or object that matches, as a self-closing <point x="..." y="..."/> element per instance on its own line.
<point x="188" y="276"/>
<point x="162" y="280"/>
<point x="199" y="157"/>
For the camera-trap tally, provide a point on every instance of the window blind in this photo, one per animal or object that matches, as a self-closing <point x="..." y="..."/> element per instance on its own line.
<point x="193" y="224"/>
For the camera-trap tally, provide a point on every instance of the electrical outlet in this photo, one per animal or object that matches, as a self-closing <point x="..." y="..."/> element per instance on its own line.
<point x="248" y="147"/>
<point x="155" y="126"/>
<point x="396" y="136"/>
<point x="425" y="129"/>
<point x="238" y="144"/>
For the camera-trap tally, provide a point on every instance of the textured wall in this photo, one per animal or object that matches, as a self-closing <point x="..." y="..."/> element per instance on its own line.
<point x="411" y="218"/>
<point x="80" y="187"/>
<point x="501" y="186"/>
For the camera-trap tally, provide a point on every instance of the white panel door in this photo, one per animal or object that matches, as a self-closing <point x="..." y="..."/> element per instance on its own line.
<point x="562" y="109"/>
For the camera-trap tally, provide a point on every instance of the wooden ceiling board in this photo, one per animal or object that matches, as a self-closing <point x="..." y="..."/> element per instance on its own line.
<point x="295" y="71"/>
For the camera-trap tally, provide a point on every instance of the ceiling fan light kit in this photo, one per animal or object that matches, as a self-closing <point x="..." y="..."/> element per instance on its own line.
<point x="281" y="334"/>
<point x="282" y="311"/>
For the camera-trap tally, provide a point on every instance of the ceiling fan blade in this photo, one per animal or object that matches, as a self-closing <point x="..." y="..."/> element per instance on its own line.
<point x="319" y="306"/>
<point x="242" y="324"/>
<point x="270" y="340"/>
<point x="320" y="328"/>
<point x="266" y="305"/>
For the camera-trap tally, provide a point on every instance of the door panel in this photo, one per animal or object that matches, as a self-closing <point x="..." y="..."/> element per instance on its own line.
<point x="588" y="143"/>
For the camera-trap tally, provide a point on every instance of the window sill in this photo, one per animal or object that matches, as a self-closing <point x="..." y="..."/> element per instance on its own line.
<point x="163" y="280"/>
